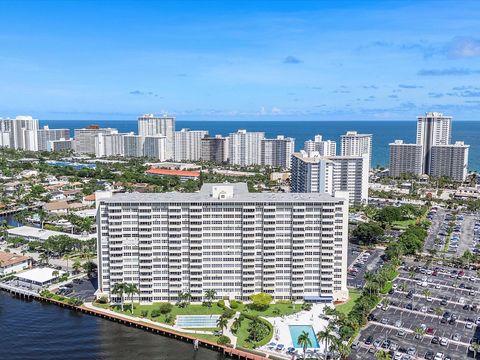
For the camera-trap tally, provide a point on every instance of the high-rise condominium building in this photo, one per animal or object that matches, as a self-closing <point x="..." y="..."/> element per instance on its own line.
<point x="223" y="238"/>
<point x="355" y="144"/>
<point x="155" y="147"/>
<point x="188" y="144"/>
<point x="450" y="161"/>
<point x="60" y="145"/>
<point x="85" y="138"/>
<point x="278" y="152"/>
<point x="405" y="159"/>
<point x="45" y="135"/>
<point x="21" y="132"/>
<point x="432" y="129"/>
<point x="215" y="149"/>
<point x="311" y="172"/>
<point x="151" y="125"/>
<point x="133" y="145"/>
<point x="245" y="148"/>
<point x="323" y="147"/>
<point x="110" y="144"/>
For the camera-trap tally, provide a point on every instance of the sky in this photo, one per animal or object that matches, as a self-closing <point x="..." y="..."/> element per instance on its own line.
<point x="240" y="60"/>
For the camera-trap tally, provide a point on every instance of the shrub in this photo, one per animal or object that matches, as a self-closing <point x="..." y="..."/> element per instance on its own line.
<point x="144" y="313"/>
<point x="234" y="304"/>
<point x="221" y="303"/>
<point x="102" y="299"/>
<point x="169" y="319"/>
<point x="261" y="301"/>
<point x="166" y="308"/>
<point x="228" y="313"/>
<point x="223" y="340"/>
<point x="155" y="313"/>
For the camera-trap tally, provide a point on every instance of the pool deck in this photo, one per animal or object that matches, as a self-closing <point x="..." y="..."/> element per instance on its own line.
<point x="282" y="332"/>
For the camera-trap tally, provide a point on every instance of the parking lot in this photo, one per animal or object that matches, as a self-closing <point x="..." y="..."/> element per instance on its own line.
<point x="83" y="289"/>
<point x="361" y="262"/>
<point x="429" y="312"/>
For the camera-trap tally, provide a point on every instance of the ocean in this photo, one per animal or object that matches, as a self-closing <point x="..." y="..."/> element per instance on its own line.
<point x="384" y="132"/>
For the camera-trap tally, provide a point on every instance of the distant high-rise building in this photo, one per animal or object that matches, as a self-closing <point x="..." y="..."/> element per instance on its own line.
<point x="155" y="147"/>
<point x="323" y="147"/>
<point x="405" y="159"/>
<point x="450" y="160"/>
<point x="20" y="131"/>
<point x="311" y="172"/>
<point x="245" y="148"/>
<point x="278" y="152"/>
<point x="110" y="144"/>
<point x="150" y="125"/>
<point x="133" y="145"/>
<point x="432" y="129"/>
<point x="188" y="144"/>
<point x="60" y="145"/>
<point x="214" y="149"/>
<point x="355" y="144"/>
<point x="45" y="135"/>
<point x="85" y="138"/>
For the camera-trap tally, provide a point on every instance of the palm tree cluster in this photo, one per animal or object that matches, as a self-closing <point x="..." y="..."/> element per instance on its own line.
<point x="122" y="289"/>
<point x="334" y="345"/>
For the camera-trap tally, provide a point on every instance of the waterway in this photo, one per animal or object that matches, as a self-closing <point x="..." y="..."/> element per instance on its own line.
<point x="38" y="331"/>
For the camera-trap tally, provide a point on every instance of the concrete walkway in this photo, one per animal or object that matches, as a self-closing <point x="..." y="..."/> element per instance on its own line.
<point x="228" y="330"/>
<point x="148" y="321"/>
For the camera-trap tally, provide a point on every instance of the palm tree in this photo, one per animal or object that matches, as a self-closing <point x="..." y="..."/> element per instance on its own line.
<point x="210" y="295"/>
<point x="412" y="274"/>
<point x="343" y="350"/>
<point x="403" y="286"/>
<point x="76" y="266"/>
<point x="130" y="290"/>
<point x="438" y="312"/>
<point x="426" y="293"/>
<point x="304" y="341"/>
<point x="419" y="331"/>
<point x="119" y="289"/>
<point x="44" y="258"/>
<point x="383" y="355"/>
<point x="475" y="349"/>
<point x="55" y="273"/>
<point x="237" y="323"/>
<point x="184" y="298"/>
<point x="222" y="323"/>
<point x="327" y="336"/>
<point x="67" y="257"/>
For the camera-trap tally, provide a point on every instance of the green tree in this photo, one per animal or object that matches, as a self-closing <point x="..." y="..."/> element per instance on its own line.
<point x="368" y="233"/>
<point x="222" y="323"/>
<point x="326" y="336"/>
<point x="304" y="341"/>
<point x="130" y="290"/>
<point x="383" y="355"/>
<point x="119" y="289"/>
<point x="76" y="266"/>
<point x="44" y="258"/>
<point x="261" y="301"/>
<point x="209" y="296"/>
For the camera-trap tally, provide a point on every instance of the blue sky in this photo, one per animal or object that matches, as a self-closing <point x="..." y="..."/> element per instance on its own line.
<point x="228" y="60"/>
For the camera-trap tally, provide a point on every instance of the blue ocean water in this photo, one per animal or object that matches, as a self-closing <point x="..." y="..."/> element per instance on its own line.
<point x="384" y="132"/>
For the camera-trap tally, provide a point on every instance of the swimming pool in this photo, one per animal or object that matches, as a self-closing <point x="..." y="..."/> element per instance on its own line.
<point x="197" y="321"/>
<point x="296" y="330"/>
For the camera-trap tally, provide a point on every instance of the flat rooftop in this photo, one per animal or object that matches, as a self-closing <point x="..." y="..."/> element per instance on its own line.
<point x="235" y="192"/>
<point x="42" y="234"/>
<point x="39" y="275"/>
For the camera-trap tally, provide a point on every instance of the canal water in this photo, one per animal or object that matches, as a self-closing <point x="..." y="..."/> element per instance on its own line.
<point x="39" y="331"/>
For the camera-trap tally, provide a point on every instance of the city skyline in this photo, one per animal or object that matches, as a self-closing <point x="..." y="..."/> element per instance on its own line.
<point x="256" y="61"/>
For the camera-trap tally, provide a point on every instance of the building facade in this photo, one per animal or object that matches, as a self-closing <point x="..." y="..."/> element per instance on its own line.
<point x="110" y="144"/>
<point x="245" y="148"/>
<point x="405" y="159"/>
<point x="450" y="161"/>
<point x="355" y="144"/>
<point x="314" y="173"/>
<point x="226" y="239"/>
<point x="60" y="145"/>
<point x="188" y="144"/>
<point x="84" y="142"/>
<point x="323" y="147"/>
<point x="45" y="135"/>
<point x="214" y="149"/>
<point x="278" y="152"/>
<point x="155" y="147"/>
<point x="432" y="129"/>
<point x="133" y="145"/>
<point x="21" y="132"/>
<point x="151" y="125"/>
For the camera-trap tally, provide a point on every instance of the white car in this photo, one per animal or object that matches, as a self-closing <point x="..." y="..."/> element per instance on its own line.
<point x="443" y="341"/>
<point x="424" y="309"/>
<point x="429" y="299"/>
<point x="439" y="356"/>
<point x="468" y="325"/>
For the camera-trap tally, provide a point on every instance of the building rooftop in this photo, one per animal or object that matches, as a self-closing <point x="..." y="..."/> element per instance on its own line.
<point x="42" y="234"/>
<point x="9" y="259"/>
<point x="228" y="192"/>
<point x="169" y="172"/>
<point x="39" y="275"/>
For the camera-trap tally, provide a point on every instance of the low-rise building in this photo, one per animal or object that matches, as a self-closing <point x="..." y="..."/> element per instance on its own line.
<point x="182" y="174"/>
<point x="11" y="263"/>
<point x="31" y="233"/>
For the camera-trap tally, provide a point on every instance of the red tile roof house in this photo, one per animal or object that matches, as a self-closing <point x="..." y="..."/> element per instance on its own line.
<point x="11" y="262"/>
<point x="182" y="174"/>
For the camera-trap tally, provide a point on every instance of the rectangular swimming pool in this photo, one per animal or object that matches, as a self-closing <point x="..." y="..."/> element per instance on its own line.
<point x="197" y="321"/>
<point x="296" y="330"/>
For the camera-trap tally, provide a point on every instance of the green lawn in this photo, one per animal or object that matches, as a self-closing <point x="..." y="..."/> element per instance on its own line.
<point x="345" y="308"/>
<point x="188" y="310"/>
<point x="273" y="310"/>
<point x="242" y="336"/>
<point x="403" y="224"/>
